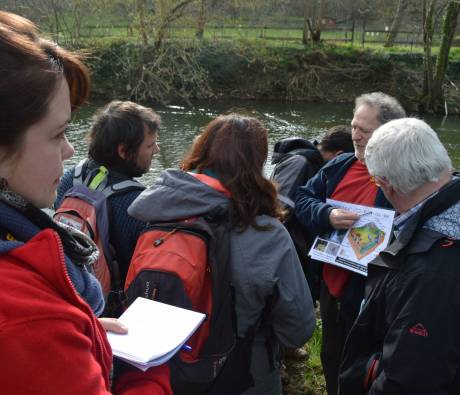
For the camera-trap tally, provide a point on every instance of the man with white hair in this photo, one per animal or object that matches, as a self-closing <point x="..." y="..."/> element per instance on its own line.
<point x="405" y="339"/>
<point x="347" y="179"/>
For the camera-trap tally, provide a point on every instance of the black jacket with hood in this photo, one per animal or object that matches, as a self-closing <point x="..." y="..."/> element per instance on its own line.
<point x="406" y="339"/>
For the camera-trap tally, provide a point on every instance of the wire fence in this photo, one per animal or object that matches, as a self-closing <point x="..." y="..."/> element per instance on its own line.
<point x="275" y="35"/>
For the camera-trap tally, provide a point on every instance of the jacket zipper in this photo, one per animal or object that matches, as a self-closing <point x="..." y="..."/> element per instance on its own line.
<point x="66" y="273"/>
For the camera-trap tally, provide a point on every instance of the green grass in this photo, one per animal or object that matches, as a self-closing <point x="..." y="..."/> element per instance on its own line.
<point x="268" y="37"/>
<point x="306" y="377"/>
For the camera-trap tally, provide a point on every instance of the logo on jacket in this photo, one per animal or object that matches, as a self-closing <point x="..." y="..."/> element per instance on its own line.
<point x="419" y="330"/>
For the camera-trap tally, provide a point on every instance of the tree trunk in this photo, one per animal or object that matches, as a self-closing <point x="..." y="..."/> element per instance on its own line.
<point x="353" y="26"/>
<point x="142" y="25"/>
<point x="448" y="30"/>
<point x="78" y="19"/>
<point x="201" y="23"/>
<point x="428" y="30"/>
<point x="400" y="11"/>
<point x="167" y="18"/>
<point x="363" y="37"/>
<point x="305" y="23"/>
<point x="315" y="31"/>
<point x="53" y="6"/>
<point x="319" y="20"/>
<point x="367" y="9"/>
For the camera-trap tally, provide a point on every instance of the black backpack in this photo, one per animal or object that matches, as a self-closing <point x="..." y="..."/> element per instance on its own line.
<point x="296" y="160"/>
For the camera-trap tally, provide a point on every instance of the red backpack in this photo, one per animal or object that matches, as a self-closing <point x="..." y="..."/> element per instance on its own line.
<point x="85" y="207"/>
<point x="186" y="263"/>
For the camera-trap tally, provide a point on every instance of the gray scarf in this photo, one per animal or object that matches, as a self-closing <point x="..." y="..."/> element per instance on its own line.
<point x="23" y="221"/>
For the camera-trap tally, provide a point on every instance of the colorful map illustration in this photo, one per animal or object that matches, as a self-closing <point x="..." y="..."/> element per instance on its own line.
<point x="354" y="248"/>
<point x="365" y="239"/>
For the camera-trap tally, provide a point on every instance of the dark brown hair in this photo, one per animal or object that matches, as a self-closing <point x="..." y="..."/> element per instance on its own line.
<point x="31" y="70"/>
<point x="337" y="138"/>
<point x="120" y="122"/>
<point x="235" y="148"/>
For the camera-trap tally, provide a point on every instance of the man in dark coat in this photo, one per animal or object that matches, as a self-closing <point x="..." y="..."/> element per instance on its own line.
<point x="344" y="178"/>
<point x="405" y="339"/>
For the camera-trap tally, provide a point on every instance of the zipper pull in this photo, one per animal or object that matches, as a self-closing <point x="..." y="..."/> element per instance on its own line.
<point x="160" y="241"/>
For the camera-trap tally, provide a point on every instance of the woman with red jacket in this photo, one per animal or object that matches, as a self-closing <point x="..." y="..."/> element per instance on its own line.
<point x="50" y="339"/>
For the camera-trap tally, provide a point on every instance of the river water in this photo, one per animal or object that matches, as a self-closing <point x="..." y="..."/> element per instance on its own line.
<point x="181" y="124"/>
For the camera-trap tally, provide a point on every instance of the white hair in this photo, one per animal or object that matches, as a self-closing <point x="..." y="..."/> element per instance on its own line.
<point x="407" y="153"/>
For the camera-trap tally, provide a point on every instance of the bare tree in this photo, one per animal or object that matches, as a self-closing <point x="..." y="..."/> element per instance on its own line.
<point x="140" y="7"/>
<point x="314" y="22"/>
<point x="428" y="31"/>
<point x="305" y="22"/>
<point x="399" y="15"/>
<point x="448" y="30"/>
<point x="364" y="15"/>
<point x="168" y="14"/>
<point x="202" y="18"/>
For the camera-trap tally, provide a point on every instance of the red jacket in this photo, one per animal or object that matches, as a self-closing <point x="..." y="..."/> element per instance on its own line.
<point x="50" y="341"/>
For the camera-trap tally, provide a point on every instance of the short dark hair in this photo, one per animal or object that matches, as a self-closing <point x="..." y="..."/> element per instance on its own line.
<point x="120" y="122"/>
<point x="337" y="138"/>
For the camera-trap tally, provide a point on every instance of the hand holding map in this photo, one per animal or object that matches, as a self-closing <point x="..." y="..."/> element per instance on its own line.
<point x="353" y="247"/>
<point x="342" y="219"/>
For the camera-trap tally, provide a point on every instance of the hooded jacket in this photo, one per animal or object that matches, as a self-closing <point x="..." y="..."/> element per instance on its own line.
<point x="261" y="262"/>
<point x="406" y="338"/>
<point x="50" y="340"/>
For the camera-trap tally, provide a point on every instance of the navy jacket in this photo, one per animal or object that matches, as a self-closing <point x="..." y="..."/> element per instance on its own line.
<point x="310" y="207"/>
<point x="313" y="213"/>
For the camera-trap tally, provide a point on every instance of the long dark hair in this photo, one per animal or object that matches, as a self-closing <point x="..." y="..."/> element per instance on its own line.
<point x="235" y="148"/>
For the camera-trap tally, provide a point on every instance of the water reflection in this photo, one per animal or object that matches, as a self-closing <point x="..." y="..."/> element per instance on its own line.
<point x="181" y="125"/>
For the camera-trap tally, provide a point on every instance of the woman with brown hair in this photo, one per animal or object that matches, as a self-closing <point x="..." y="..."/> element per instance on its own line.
<point x="224" y="168"/>
<point x="50" y="339"/>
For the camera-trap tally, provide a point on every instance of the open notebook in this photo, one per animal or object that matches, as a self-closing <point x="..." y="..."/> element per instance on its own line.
<point x="156" y="332"/>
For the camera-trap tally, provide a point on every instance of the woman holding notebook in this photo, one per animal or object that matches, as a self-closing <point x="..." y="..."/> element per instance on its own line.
<point x="50" y="339"/>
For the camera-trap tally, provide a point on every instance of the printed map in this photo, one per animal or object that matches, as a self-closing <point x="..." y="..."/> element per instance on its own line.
<point x="365" y="239"/>
<point x="354" y="248"/>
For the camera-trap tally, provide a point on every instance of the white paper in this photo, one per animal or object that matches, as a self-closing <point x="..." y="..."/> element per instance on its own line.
<point x="156" y="332"/>
<point x="354" y="248"/>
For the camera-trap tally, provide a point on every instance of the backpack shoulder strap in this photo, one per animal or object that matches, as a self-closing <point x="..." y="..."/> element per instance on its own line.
<point x="122" y="187"/>
<point x="95" y="178"/>
<point x="78" y="172"/>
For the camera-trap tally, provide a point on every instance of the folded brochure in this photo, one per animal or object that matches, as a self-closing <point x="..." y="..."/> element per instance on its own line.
<point x="354" y="248"/>
<point x="156" y="332"/>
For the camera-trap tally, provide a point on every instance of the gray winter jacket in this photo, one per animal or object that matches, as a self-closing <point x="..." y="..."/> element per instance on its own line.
<point x="263" y="263"/>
